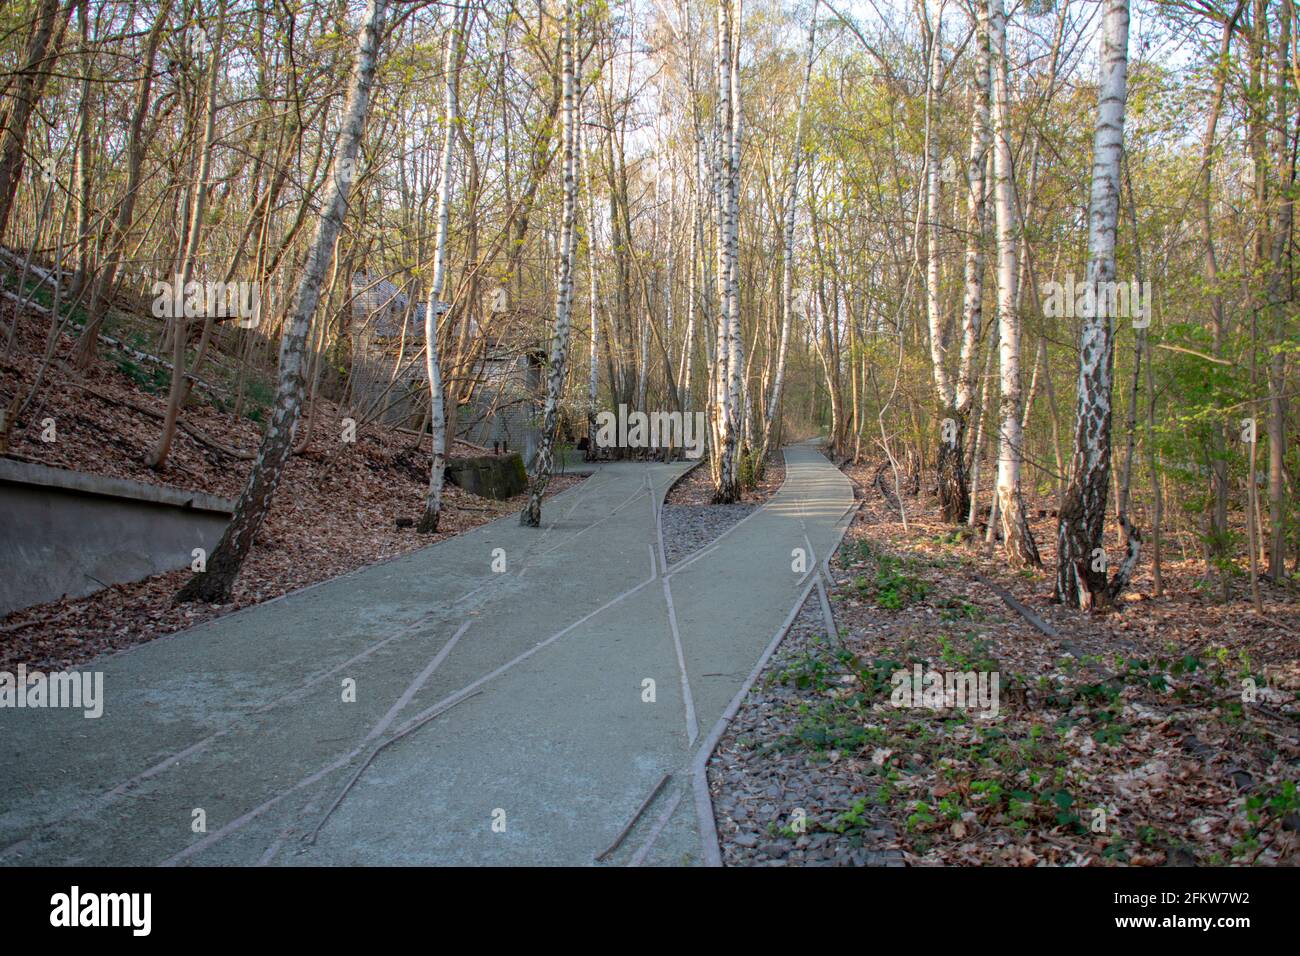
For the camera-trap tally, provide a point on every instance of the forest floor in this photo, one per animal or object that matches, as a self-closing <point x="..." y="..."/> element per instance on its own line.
<point x="1131" y="739"/>
<point x="336" y="509"/>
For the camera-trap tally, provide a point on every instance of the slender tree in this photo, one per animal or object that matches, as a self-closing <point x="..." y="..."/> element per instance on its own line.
<point x="531" y="516"/>
<point x="593" y="303"/>
<point x="954" y="497"/>
<point x="434" y="307"/>
<point x="190" y="254"/>
<point x="787" y="249"/>
<point x="729" y="359"/>
<point x="1018" y="541"/>
<point x="216" y="582"/>
<point x="972" y="313"/>
<point x="1279" y="267"/>
<point x="1081" y="573"/>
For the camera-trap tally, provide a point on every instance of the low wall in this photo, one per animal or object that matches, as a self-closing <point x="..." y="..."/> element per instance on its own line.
<point x="67" y="532"/>
<point x="489" y="476"/>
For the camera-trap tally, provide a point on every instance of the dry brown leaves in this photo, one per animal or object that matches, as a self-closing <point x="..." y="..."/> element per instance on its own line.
<point x="1126" y="742"/>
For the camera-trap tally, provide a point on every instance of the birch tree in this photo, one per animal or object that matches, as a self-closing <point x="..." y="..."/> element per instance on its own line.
<point x="787" y="251"/>
<point x="216" y="582"/>
<point x="1018" y="541"/>
<point x="972" y="313"/>
<point x="953" y="493"/>
<point x="729" y="359"/>
<point x="1081" y="573"/>
<point x="593" y="364"/>
<point x="531" y="516"/>
<point x="428" y="523"/>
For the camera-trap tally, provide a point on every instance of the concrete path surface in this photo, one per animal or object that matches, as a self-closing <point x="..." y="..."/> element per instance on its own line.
<point x="433" y="710"/>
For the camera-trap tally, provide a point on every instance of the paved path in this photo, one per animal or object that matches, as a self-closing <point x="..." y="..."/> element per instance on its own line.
<point x="499" y="718"/>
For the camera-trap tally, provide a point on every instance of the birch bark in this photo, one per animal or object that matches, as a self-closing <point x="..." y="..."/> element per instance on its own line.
<point x="1081" y="575"/>
<point x="593" y="368"/>
<point x="216" y="583"/>
<point x="972" y="313"/>
<point x="1018" y="542"/>
<point x="531" y="516"/>
<point x="730" y="354"/>
<point x="787" y="253"/>
<point x="433" y="309"/>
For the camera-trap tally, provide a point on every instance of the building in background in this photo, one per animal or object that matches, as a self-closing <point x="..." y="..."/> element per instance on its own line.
<point x="388" y="372"/>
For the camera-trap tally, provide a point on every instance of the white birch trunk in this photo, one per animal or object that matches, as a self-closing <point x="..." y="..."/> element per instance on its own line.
<point x="735" y="343"/>
<point x="934" y="311"/>
<point x="730" y="374"/>
<point x="972" y="314"/>
<point x="1018" y="542"/>
<point x="1081" y="578"/>
<point x="724" y="433"/>
<point x="434" y="308"/>
<point x="593" y="370"/>
<point x="531" y="516"/>
<point x="787" y="244"/>
<point x="215" y="584"/>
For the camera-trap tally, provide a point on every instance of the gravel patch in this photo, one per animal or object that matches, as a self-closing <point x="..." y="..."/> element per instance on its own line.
<point x="687" y="528"/>
<point x="690" y="522"/>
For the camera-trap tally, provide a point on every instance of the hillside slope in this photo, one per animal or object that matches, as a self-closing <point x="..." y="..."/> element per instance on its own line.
<point x="336" y="508"/>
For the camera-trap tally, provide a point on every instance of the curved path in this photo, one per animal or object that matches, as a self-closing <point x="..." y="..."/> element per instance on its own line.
<point x="499" y="717"/>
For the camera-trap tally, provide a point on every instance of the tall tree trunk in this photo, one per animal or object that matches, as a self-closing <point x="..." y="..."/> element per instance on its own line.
<point x="972" y="314"/>
<point x="1217" y="545"/>
<point x="84" y="165"/>
<point x="1279" y="269"/>
<point x="730" y="375"/>
<point x="1018" y="541"/>
<point x="787" y="253"/>
<point x="531" y="516"/>
<point x="593" y="365"/>
<point x="435" y="307"/>
<point x="953" y="500"/>
<point x="194" y="235"/>
<point x="217" y="581"/>
<point x="736" y="366"/>
<point x="1081" y="572"/>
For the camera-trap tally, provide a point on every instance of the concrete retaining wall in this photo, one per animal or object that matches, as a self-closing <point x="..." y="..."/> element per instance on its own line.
<point x="489" y="476"/>
<point x="67" y="532"/>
